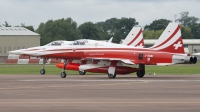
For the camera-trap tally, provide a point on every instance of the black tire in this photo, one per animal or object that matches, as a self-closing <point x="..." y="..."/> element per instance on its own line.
<point x="112" y="75"/>
<point x="42" y="71"/>
<point x="140" y="73"/>
<point x="82" y="72"/>
<point x="63" y="74"/>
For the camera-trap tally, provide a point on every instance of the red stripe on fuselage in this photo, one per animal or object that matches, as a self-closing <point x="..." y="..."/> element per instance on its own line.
<point x="119" y="50"/>
<point x="78" y="49"/>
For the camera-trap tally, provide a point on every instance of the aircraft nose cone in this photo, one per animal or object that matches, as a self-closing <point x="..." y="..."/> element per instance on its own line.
<point x="15" y="52"/>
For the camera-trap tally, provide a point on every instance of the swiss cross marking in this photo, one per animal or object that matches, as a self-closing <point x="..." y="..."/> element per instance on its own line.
<point x="178" y="45"/>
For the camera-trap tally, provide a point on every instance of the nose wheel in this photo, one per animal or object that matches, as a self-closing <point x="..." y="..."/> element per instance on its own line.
<point x="42" y="71"/>
<point x="63" y="73"/>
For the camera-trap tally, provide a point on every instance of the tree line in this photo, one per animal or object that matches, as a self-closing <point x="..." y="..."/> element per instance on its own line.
<point x="67" y="29"/>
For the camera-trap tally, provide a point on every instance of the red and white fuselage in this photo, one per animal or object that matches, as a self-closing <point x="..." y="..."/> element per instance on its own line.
<point x="166" y="51"/>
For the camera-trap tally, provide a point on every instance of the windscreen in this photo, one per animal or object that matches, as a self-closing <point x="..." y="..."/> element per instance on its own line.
<point x="80" y="42"/>
<point x="55" y="43"/>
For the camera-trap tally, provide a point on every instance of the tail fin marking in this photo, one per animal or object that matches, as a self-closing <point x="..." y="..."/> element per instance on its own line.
<point x="170" y="40"/>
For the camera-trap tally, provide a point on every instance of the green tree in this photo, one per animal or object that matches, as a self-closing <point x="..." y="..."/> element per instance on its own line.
<point x="152" y="34"/>
<point x="27" y="27"/>
<point x="6" y="24"/>
<point x="106" y="28"/>
<point x="195" y="29"/>
<point x="89" y="31"/>
<point x="191" y="25"/>
<point x="186" y="32"/>
<point x="117" y="28"/>
<point x="159" y="24"/>
<point x="122" y="27"/>
<point x="61" y="29"/>
<point x="187" y="20"/>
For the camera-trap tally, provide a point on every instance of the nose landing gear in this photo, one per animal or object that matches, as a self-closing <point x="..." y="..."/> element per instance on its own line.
<point x="42" y="71"/>
<point x="63" y="73"/>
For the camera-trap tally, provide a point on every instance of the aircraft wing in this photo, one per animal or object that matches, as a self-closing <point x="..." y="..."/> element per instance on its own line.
<point x="125" y="61"/>
<point x="196" y="54"/>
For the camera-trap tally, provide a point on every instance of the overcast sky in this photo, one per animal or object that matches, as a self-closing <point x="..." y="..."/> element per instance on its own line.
<point x="33" y="12"/>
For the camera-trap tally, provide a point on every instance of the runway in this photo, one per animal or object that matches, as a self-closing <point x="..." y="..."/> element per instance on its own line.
<point x="98" y="93"/>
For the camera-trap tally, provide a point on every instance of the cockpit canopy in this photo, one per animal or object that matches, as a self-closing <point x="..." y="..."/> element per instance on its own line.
<point x="80" y="42"/>
<point x="55" y="43"/>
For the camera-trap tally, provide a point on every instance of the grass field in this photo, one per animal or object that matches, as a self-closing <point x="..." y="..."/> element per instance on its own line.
<point x="184" y="69"/>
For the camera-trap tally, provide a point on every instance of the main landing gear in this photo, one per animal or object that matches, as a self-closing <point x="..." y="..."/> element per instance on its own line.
<point x="82" y="72"/>
<point x="112" y="71"/>
<point x="110" y="75"/>
<point x="141" y="73"/>
<point x="42" y="71"/>
<point x="63" y="73"/>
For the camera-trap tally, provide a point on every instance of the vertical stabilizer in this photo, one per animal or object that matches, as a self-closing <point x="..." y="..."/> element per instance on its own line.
<point x="170" y="40"/>
<point x="134" y="38"/>
<point x="110" y="40"/>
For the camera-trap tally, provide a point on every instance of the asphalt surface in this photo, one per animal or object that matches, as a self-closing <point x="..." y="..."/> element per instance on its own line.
<point x="98" y="93"/>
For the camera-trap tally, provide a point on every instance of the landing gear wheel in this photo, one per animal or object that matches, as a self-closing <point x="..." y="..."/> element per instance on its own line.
<point x="63" y="74"/>
<point x="82" y="72"/>
<point x="42" y="71"/>
<point x="111" y="75"/>
<point x="141" y="73"/>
